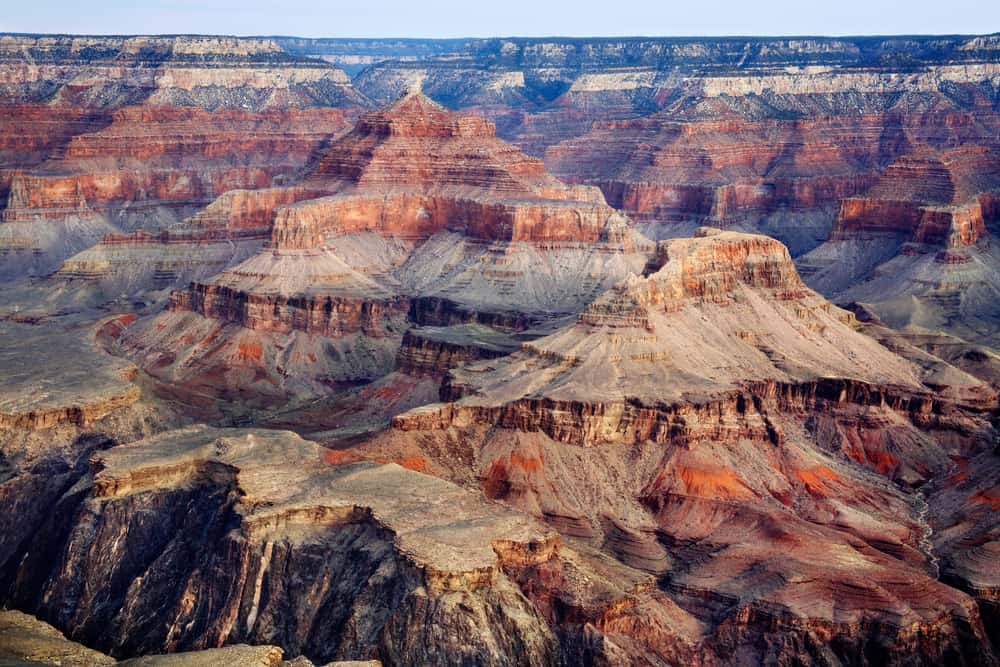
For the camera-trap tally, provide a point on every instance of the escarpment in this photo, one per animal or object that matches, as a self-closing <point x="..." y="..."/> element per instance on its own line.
<point x="475" y="383"/>
<point x="204" y="71"/>
<point x="416" y="203"/>
<point x="436" y="350"/>
<point x="686" y="407"/>
<point x="160" y="127"/>
<point x="217" y="528"/>
<point x="930" y="198"/>
<point x="917" y="248"/>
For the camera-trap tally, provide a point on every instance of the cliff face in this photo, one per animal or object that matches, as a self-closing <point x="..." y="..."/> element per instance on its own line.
<point x="238" y="515"/>
<point x="418" y="216"/>
<point x="553" y="432"/>
<point x="420" y="202"/>
<point x="633" y="432"/>
<point x="179" y="71"/>
<point x="151" y="167"/>
<point x="785" y="177"/>
<point x="918" y="246"/>
<point x="436" y="350"/>
<point x="931" y="197"/>
<point x="326" y="316"/>
<point x="539" y="70"/>
<point x="124" y="134"/>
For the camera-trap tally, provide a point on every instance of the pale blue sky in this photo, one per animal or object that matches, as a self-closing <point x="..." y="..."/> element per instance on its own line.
<point x="478" y="18"/>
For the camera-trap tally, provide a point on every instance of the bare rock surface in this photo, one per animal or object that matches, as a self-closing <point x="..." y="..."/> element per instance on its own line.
<point x="421" y="203"/>
<point x="25" y="640"/>
<point x="54" y="377"/>
<point x="624" y="432"/>
<point x="388" y="554"/>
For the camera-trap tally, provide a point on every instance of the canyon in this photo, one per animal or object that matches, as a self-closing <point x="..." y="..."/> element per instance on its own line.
<point x="528" y="351"/>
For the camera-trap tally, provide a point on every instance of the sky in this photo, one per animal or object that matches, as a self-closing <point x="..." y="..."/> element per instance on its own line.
<point x="501" y="18"/>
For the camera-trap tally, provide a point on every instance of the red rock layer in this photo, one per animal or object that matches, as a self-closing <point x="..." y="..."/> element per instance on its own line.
<point x="939" y="198"/>
<point x="418" y="216"/>
<point x="323" y="315"/>
<point x="671" y="167"/>
<point x="32" y="133"/>
<point x="409" y="171"/>
<point x="657" y="168"/>
<point x="579" y="423"/>
<point x="161" y="155"/>
<point x="418" y="143"/>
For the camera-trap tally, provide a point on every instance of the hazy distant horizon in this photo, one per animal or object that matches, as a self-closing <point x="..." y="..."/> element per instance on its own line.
<point x="452" y="19"/>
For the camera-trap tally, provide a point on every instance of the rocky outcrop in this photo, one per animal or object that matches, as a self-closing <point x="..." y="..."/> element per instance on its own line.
<point x="322" y="315"/>
<point x="29" y="640"/>
<point x="918" y="248"/>
<point x="928" y="198"/>
<point x="124" y="134"/>
<point x="25" y="640"/>
<point x="151" y="156"/>
<point x="625" y="432"/>
<point x="238" y="515"/>
<point x="415" y="216"/>
<point x="436" y="350"/>
<point x="420" y="202"/>
<point x="152" y="167"/>
<point x="76" y="385"/>
<point x="704" y="162"/>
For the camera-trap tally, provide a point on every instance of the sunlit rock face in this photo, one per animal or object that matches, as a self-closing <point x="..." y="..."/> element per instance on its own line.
<point x="126" y="134"/>
<point x="253" y="512"/>
<point x="715" y="398"/>
<point x="420" y="203"/>
<point x="501" y="352"/>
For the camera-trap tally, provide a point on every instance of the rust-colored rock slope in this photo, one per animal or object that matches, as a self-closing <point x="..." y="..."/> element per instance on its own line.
<point x="420" y="203"/>
<point x="500" y="352"/>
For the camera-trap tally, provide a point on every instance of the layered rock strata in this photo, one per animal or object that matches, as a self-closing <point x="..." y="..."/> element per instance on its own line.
<point x="204" y="71"/>
<point x="53" y="378"/>
<point x="421" y="203"/>
<point x="150" y="168"/>
<point x="716" y="398"/>
<point x="27" y="641"/>
<point x="436" y="350"/>
<point x="917" y="248"/>
<point x="238" y="514"/>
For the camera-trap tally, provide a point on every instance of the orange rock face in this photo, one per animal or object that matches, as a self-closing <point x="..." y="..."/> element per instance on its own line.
<point x="407" y="172"/>
<point x="325" y="316"/>
<point x="930" y="198"/>
<point x="149" y="156"/>
<point x="668" y="168"/>
<point x="673" y="450"/>
<point x="660" y="169"/>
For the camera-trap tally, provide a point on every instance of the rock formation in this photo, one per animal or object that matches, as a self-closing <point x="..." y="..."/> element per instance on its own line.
<point x="203" y="537"/>
<point x="142" y="132"/>
<point x="716" y="398"/>
<point x="422" y="203"/>
<point x="917" y="248"/>
<point x="301" y="367"/>
<point x="26" y="641"/>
